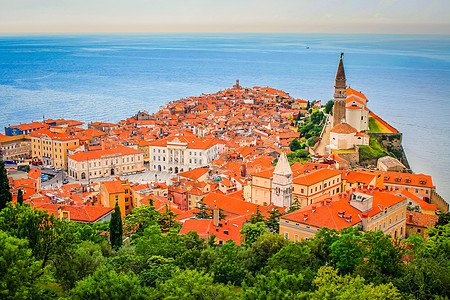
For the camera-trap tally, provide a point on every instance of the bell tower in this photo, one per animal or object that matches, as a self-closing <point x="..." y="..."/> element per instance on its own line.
<point x="282" y="183"/>
<point x="340" y="94"/>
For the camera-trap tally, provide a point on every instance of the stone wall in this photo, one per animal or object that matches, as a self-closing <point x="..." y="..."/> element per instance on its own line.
<point x="392" y="143"/>
<point x="440" y="203"/>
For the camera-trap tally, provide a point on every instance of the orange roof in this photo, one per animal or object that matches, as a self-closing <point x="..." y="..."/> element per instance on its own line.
<point x="419" y="180"/>
<point x="113" y="187"/>
<point x="194" y="174"/>
<point x="34" y="173"/>
<point x="361" y="177"/>
<point x="351" y="91"/>
<point x="96" y="154"/>
<point x="316" y="176"/>
<point x="328" y="215"/>
<point x="343" y="128"/>
<point x="80" y="213"/>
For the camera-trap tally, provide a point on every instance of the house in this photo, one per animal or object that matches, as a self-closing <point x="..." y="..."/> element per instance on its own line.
<point x="368" y="208"/>
<point x="116" y="191"/>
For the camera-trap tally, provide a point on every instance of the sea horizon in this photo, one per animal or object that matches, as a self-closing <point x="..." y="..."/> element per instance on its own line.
<point x="110" y="76"/>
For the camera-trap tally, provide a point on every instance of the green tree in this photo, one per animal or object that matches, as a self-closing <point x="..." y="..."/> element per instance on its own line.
<point x="19" y="197"/>
<point x="277" y="284"/>
<point x="228" y="267"/>
<point x="294" y="258"/>
<point x="294" y="145"/>
<point x="329" y="106"/>
<point x="251" y="232"/>
<point x="107" y="284"/>
<point x="204" y="212"/>
<point x="46" y="235"/>
<point x="78" y="263"/>
<point x="115" y="228"/>
<point x="157" y="269"/>
<point x="192" y="285"/>
<point x="444" y="218"/>
<point x="263" y="249"/>
<point x="348" y="250"/>
<point x="311" y="141"/>
<point x="167" y="220"/>
<point x="296" y="204"/>
<point x="329" y="285"/>
<point x="141" y="218"/>
<point x="18" y="268"/>
<point x="256" y="217"/>
<point x="383" y="253"/>
<point x="5" y="194"/>
<point x="272" y="222"/>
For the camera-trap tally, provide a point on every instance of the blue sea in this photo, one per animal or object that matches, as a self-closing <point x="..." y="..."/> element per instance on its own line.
<point x="110" y="77"/>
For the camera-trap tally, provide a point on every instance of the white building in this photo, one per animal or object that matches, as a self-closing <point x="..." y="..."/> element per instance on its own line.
<point x="179" y="153"/>
<point x="106" y="162"/>
<point x="344" y="136"/>
<point x="356" y="111"/>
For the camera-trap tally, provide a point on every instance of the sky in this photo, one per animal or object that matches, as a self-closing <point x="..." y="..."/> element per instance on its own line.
<point x="330" y="16"/>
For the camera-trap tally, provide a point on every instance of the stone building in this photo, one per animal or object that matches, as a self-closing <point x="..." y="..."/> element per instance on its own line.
<point x="282" y="183"/>
<point x="340" y="94"/>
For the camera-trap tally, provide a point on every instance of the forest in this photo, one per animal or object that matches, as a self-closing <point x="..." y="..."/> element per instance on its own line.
<point x="43" y="257"/>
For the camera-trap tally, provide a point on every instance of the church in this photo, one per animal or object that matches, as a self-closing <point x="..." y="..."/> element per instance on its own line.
<point x="350" y="114"/>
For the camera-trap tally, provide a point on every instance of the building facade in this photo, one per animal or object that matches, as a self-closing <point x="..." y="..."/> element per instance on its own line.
<point x="368" y="209"/>
<point x="102" y="163"/>
<point x="15" y="147"/>
<point x="51" y="147"/>
<point x="179" y="154"/>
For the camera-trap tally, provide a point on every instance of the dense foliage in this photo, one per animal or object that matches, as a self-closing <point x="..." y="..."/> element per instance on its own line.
<point x="46" y="258"/>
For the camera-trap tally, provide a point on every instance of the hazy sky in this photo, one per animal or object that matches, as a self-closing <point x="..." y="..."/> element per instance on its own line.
<point x="346" y="16"/>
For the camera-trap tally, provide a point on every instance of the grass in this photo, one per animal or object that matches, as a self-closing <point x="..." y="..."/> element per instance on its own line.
<point x="376" y="127"/>
<point x="372" y="151"/>
<point x="343" y="151"/>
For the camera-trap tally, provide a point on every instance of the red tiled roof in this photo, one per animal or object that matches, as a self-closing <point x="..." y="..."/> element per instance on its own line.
<point x="316" y="176"/>
<point x="343" y="128"/>
<point x="194" y="174"/>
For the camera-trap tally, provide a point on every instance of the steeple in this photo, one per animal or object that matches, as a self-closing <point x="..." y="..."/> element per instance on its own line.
<point x="340" y="75"/>
<point x="283" y="167"/>
<point x="282" y="183"/>
<point x="340" y="94"/>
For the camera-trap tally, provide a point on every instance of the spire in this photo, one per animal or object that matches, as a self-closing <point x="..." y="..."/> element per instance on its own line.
<point x="340" y="75"/>
<point x="283" y="167"/>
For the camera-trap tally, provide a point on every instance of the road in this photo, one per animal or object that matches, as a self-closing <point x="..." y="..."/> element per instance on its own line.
<point x="325" y="141"/>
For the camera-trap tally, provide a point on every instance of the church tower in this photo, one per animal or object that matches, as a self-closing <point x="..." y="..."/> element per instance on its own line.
<point x="340" y="94"/>
<point x="282" y="183"/>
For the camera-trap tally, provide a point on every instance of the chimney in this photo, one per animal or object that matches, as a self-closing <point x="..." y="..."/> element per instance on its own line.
<point x="365" y="220"/>
<point x="410" y="218"/>
<point x="313" y="209"/>
<point x="328" y="201"/>
<point x="216" y="216"/>
<point x="341" y="213"/>
<point x="305" y="216"/>
<point x="348" y="218"/>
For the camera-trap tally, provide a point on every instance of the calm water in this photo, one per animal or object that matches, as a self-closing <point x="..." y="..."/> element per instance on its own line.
<point x="110" y="77"/>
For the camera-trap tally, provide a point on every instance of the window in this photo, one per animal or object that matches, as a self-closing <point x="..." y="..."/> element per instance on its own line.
<point x="127" y="207"/>
<point x="126" y="191"/>
<point x="117" y="198"/>
<point x="126" y="199"/>
<point x="286" y="235"/>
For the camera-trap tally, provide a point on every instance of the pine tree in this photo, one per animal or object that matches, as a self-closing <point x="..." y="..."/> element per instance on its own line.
<point x="5" y="194"/>
<point x="257" y="217"/>
<point x="273" y="219"/>
<point x="115" y="228"/>
<point x="19" y="197"/>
